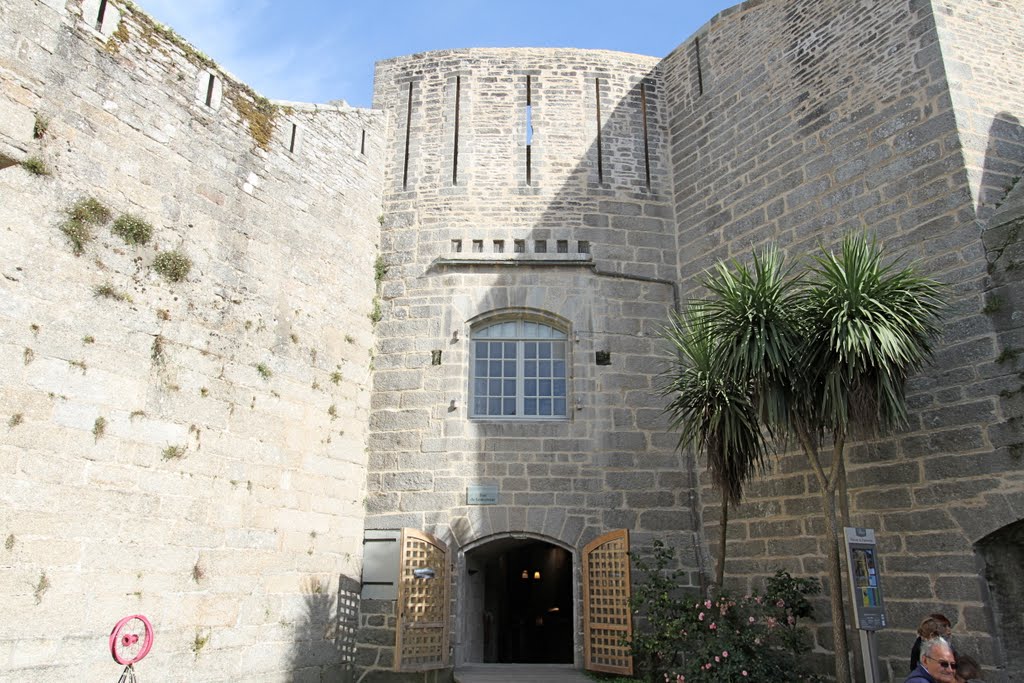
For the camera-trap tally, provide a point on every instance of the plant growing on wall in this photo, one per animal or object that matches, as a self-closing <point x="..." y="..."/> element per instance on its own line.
<point x="825" y="356"/>
<point x="132" y="229"/>
<point x="173" y="266"/>
<point x="35" y="166"/>
<point x="83" y="216"/>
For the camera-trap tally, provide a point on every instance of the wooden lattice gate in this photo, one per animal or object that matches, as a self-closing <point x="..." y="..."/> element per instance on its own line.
<point x="607" y="621"/>
<point x="422" y="640"/>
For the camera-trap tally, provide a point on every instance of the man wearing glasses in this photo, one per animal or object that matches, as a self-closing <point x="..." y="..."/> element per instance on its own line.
<point x="937" y="665"/>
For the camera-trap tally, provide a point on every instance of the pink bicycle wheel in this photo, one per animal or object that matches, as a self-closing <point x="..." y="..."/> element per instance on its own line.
<point x="131" y="639"/>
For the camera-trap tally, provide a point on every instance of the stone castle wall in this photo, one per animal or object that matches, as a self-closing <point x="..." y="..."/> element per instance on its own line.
<point x="606" y="275"/>
<point x="189" y="453"/>
<point x="815" y="119"/>
<point x="209" y="452"/>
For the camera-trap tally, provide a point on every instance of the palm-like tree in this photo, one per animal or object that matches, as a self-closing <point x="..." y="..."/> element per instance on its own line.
<point x="715" y="415"/>
<point x="820" y="357"/>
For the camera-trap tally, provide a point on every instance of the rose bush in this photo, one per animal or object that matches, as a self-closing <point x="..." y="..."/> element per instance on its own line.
<point x="682" y="639"/>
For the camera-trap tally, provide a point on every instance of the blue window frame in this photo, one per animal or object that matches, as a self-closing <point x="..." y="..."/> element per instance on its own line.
<point x="519" y="371"/>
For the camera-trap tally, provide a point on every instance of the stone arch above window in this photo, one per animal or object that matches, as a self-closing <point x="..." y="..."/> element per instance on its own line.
<point x="519" y="367"/>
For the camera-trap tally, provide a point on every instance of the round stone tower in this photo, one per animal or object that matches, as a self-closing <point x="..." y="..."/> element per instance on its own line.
<point x="530" y="258"/>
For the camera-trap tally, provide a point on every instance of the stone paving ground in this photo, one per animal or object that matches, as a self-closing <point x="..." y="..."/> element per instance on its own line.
<point x="518" y="673"/>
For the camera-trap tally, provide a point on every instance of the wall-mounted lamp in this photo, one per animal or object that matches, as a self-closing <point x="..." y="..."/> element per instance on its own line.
<point x="455" y="336"/>
<point x="536" y="576"/>
<point x="526" y="575"/>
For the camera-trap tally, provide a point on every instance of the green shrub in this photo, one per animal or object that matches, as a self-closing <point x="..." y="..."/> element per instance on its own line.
<point x="82" y="216"/>
<point x="174" y="266"/>
<point x="132" y="229"/>
<point x="726" y="639"/>
<point x="35" y="166"/>
<point x="108" y="291"/>
<point x="41" y="125"/>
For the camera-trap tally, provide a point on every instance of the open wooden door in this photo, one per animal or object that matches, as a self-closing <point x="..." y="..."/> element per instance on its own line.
<point x="607" y="620"/>
<point x="422" y="640"/>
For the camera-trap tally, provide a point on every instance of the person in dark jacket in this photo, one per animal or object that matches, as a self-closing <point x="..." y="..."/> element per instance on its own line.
<point x="937" y="663"/>
<point x="935" y="625"/>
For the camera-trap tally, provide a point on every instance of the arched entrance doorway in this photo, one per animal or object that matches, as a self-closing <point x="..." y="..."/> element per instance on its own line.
<point x="518" y="602"/>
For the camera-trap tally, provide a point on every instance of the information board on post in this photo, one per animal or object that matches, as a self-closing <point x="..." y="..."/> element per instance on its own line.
<point x="865" y="578"/>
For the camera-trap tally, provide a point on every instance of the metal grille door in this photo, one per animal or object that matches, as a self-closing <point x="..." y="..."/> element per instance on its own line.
<point x="422" y="641"/>
<point x="606" y="615"/>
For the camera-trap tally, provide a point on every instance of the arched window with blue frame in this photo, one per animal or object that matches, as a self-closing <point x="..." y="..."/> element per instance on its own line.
<point x="519" y="370"/>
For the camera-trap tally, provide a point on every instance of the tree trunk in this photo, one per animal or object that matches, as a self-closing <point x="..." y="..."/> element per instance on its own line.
<point x="839" y="643"/>
<point x="723" y="528"/>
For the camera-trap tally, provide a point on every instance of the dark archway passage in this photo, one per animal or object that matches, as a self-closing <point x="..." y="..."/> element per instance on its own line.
<point x="519" y="603"/>
<point x="1003" y="553"/>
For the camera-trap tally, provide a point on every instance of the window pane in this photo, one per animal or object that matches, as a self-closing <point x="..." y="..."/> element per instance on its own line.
<point x="480" y="406"/>
<point x="545" y="388"/>
<point x="544" y="368"/>
<point x="529" y="349"/>
<point x="530" y="368"/>
<point x="480" y="387"/>
<point x="510" y="349"/>
<point x="559" y="406"/>
<point x="558" y="388"/>
<point x="558" y="368"/>
<point x="510" y="368"/>
<point x="509" y="407"/>
<point x="481" y="349"/>
<point x="494" y="406"/>
<point x="545" y="406"/>
<point x="544" y="349"/>
<point x="530" y="387"/>
<point x="510" y="387"/>
<point x="530" y="406"/>
<point x="495" y="369"/>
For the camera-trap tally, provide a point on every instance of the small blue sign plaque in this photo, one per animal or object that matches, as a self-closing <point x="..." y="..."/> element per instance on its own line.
<point x="482" y="494"/>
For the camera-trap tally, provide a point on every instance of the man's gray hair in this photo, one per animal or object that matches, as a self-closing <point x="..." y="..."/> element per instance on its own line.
<point x="929" y="645"/>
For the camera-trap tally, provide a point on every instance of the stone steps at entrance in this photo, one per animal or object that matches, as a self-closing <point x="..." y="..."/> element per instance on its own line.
<point x="520" y="673"/>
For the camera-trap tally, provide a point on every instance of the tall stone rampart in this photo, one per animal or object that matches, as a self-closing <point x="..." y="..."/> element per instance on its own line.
<point x="796" y="122"/>
<point x="478" y="228"/>
<point x="192" y="451"/>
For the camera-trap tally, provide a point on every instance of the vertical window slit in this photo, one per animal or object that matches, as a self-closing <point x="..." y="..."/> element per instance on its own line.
<point x="529" y="129"/>
<point x="647" y="147"/>
<point x="519" y="246"/>
<point x="209" y="90"/>
<point x="362" y="142"/>
<point x="291" y="143"/>
<point x="455" y="150"/>
<point x="700" y="73"/>
<point x="600" y="161"/>
<point x="100" y="15"/>
<point x="408" y="132"/>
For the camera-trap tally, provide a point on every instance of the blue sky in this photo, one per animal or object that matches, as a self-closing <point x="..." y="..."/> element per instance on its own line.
<point x="322" y="50"/>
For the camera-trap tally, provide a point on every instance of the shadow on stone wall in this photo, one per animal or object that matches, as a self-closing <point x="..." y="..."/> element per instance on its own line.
<point x="323" y="650"/>
<point x="1004" y="163"/>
